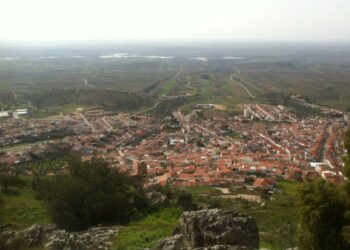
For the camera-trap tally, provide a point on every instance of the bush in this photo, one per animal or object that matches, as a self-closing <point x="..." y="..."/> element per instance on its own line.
<point x="322" y="210"/>
<point x="166" y="190"/>
<point x="325" y="212"/>
<point x="91" y="194"/>
<point x="9" y="180"/>
<point x="185" y="201"/>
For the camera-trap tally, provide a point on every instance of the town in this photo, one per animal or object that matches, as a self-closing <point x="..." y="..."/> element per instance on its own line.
<point x="252" y="149"/>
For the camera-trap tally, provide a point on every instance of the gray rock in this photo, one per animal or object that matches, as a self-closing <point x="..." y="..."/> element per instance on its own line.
<point x="224" y="247"/>
<point x="174" y="242"/>
<point x="157" y="198"/>
<point x="54" y="239"/>
<point x="36" y="234"/>
<point x="216" y="227"/>
<point x="213" y="229"/>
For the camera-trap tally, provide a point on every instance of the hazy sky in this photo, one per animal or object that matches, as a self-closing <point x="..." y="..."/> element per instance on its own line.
<point x="239" y="20"/>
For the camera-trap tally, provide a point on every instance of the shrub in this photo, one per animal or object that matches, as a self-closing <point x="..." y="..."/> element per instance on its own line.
<point x="92" y="194"/>
<point x="9" y="180"/>
<point x="185" y="201"/>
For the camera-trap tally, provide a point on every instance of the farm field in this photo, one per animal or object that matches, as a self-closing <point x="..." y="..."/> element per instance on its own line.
<point x="321" y="75"/>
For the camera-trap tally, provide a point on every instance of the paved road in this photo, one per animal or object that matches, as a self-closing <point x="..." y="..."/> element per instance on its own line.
<point x="110" y="127"/>
<point x="148" y="109"/>
<point x="184" y="122"/>
<point x="178" y="75"/>
<point x="14" y="95"/>
<point x="188" y="84"/>
<point x="87" y="83"/>
<point x="87" y="122"/>
<point x="241" y="84"/>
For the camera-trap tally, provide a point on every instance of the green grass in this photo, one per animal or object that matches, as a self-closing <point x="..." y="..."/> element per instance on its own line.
<point x="204" y="190"/>
<point x="289" y="187"/>
<point x="166" y="88"/>
<point x="70" y="108"/>
<point x="146" y="232"/>
<point x="20" y="208"/>
<point x="41" y="114"/>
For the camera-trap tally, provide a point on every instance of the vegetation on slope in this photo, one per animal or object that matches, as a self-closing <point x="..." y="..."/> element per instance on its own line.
<point x="91" y="194"/>
<point x="325" y="212"/>
<point x="20" y="207"/>
<point x="276" y="218"/>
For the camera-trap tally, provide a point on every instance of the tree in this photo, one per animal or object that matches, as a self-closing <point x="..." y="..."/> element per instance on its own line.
<point x="185" y="201"/>
<point x="325" y="212"/>
<point x="322" y="208"/>
<point x="9" y="180"/>
<point x="38" y="99"/>
<point x="92" y="194"/>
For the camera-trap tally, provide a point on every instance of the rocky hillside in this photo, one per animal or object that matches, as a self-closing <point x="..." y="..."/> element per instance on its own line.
<point x="53" y="238"/>
<point x="211" y="229"/>
<point x="208" y="229"/>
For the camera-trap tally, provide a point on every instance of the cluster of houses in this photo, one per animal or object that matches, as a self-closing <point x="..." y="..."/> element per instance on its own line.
<point x="185" y="150"/>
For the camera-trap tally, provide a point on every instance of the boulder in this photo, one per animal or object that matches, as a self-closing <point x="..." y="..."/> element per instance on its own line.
<point x="9" y="240"/>
<point x="157" y="199"/>
<point x="213" y="229"/>
<point x="174" y="242"/>
<point x="224" y="247"/>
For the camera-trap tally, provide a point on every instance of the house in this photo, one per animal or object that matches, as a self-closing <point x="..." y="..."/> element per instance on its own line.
<point x="262" y="184"/>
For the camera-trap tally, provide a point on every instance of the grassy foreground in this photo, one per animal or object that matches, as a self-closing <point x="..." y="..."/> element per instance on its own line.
<point x="276" y="218"/>
<point x="20" y="208"/>
<point x="147" y="231"/>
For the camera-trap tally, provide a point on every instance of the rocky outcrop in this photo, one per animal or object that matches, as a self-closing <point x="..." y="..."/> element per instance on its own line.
<point x="170" y="243"/>
<point x="55" y="239"/>
<point x="213" y="229"/>
<point x="36" y="234"/>
<point x="157" y="199"/>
